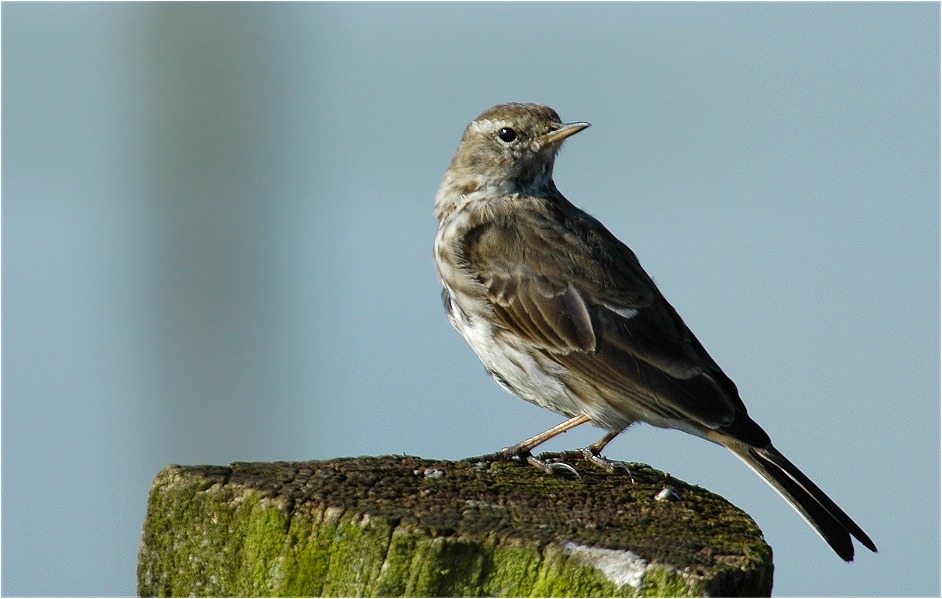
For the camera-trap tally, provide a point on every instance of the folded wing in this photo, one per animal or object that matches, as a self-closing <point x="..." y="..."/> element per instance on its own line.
<point x="608" y="325"/>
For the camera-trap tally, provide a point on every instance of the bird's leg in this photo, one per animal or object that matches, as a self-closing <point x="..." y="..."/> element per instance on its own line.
<point x="523" y="449"/>
<point x="593" y="453"/>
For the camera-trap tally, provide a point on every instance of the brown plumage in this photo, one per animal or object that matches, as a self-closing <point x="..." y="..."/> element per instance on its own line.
<point x="563" y="315"/>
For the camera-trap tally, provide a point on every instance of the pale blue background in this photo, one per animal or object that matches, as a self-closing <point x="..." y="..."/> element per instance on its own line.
<point x="217" y="242"/>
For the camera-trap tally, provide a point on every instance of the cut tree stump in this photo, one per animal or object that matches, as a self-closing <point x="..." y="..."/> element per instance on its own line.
<point x="404" y="526"/>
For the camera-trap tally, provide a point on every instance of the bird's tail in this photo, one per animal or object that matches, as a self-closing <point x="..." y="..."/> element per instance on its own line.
<point x="830" y="521"/>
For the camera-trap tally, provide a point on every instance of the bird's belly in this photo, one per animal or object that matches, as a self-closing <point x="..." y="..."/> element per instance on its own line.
<point x="533" y="376"/>
<point x="516" y="369"/>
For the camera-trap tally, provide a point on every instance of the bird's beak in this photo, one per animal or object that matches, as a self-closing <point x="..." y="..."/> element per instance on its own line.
<point x="564" y="131"/>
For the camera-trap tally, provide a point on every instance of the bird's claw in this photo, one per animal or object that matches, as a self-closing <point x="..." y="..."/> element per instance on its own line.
<point x="551" y="463"/>
<point x="550" y="467"/>
<point x="510" y="454"/>
<point x="609" y="466"/>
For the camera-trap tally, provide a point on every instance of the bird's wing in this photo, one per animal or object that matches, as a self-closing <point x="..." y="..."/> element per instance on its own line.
<point x="598" y="314"/>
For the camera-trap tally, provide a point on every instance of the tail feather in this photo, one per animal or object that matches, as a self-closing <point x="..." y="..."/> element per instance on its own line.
<point x="830" y="521"/>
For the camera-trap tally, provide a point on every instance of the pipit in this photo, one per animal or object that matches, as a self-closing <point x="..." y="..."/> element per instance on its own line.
<point x="563" y="315"/>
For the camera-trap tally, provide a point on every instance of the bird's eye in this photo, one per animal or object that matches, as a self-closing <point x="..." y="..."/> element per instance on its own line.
<point x="507" y="134"/>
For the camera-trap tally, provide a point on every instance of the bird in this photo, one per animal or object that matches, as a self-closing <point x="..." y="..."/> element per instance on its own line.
<point x="563" y="315"/>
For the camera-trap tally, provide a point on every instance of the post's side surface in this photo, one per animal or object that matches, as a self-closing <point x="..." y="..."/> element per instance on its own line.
<point x="402" y="526"/>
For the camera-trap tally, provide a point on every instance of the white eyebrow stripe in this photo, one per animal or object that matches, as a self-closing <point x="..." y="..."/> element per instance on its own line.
<point x="487" y="124"/>
<point x="623" y="312"/>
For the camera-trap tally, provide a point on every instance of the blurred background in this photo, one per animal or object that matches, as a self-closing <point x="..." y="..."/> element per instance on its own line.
<point x="217" y="234"/>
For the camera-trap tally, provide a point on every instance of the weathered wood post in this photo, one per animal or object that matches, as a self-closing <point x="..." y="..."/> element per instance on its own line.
<point x="404" y="526"/>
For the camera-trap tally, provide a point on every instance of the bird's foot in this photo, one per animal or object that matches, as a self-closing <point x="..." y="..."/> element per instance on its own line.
<point x="587" y="454"/>
<point x="517" y="454"/>
<point x="550" y="467"/>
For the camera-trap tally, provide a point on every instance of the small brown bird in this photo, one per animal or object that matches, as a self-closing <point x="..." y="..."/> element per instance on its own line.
<point x="562" y="314"/>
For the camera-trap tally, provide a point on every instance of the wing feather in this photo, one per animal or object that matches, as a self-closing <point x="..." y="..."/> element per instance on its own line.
<point x="608" y="326"/>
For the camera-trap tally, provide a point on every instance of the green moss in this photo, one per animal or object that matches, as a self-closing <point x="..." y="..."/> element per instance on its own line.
<point x="263" y="527"/>
<point x="307" y="554"/>
<point x="396" y="571"/>
<point x="512" y="572"/>
<point x="447" y="567"/>
<point x="564" y="577"/>
<point x="667" y="582"/>
<point x="357" y="554"/>
<point x="409" y="527"/>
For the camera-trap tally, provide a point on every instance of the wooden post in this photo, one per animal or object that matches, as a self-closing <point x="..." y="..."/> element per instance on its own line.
<point x="404" y="526"/>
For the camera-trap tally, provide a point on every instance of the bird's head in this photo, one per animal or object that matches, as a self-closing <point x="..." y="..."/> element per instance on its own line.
<point x="513" y="145"/>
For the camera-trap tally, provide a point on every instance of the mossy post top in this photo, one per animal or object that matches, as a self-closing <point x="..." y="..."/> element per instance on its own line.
<point x="405" y="526"/>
